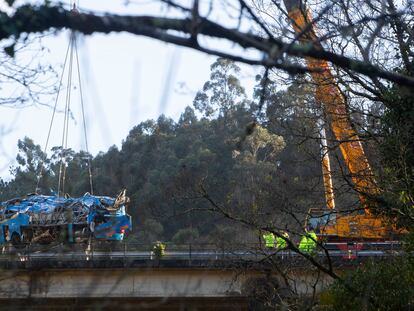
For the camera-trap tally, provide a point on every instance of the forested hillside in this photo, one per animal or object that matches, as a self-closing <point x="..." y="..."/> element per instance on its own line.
<point x="257" y="156"/>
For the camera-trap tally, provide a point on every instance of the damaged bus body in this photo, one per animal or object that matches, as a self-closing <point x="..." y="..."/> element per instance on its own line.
<point x="47" y="219"/>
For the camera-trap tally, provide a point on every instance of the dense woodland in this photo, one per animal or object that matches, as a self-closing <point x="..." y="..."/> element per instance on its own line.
<point x="257" y="156"/>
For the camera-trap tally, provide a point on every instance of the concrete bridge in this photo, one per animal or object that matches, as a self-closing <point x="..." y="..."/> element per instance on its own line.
<point x="186" y="279"/>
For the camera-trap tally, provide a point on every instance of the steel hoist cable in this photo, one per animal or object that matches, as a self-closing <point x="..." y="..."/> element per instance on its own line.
<point x="40" y="174"/>
<point x="72" y="52"/>
<point x="84" y="120"/>
<point x="65" y="130"/>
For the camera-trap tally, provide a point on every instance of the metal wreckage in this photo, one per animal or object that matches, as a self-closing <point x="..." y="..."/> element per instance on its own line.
<point x="46" y="219"/>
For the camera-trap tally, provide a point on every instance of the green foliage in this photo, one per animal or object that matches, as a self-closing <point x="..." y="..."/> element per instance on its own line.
<point x="163" y="164"/>
<point x="148" y="232"/>
<point x="260" y="140"/>
<point x="397" y="151"/>
<point x="385" y="285"/>
<point x="186" y="236"/>
<point x="223" y="92"/>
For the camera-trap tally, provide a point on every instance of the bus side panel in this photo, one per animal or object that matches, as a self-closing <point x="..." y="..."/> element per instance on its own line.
<point x="114" y="228"/>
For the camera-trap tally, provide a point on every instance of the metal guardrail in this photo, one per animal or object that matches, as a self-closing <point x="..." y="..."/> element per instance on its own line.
<point x="125" y="251"/>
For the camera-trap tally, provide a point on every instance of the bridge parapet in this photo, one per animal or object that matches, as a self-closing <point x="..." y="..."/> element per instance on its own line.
<point x="132" y="255"/>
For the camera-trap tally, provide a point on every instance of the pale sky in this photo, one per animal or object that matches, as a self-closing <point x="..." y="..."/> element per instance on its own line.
<point x="123" y="80"/>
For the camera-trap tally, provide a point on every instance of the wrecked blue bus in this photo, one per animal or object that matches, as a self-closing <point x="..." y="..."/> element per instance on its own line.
<point x="47" y="219"/>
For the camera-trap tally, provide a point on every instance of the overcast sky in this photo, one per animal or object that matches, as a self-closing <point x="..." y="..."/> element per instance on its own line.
<point x="126" y="79"/>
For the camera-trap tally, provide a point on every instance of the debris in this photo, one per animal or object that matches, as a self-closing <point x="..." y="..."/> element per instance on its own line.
<point x="36" y="217"/>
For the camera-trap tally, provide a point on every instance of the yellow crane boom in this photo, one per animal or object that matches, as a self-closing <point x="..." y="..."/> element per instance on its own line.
<point x="333" y="102"/>
<point x="329" y="95"/>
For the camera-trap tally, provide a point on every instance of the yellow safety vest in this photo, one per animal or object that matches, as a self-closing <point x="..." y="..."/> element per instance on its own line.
<point x="269" y="239"/>
<point x="308" y="242"/>
<point x="280" y="242"/>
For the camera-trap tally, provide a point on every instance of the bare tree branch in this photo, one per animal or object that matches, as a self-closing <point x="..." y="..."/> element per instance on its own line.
<point x="32" y="19"/>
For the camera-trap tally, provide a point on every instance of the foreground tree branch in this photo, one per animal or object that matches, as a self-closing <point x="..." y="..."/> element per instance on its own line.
<point x="35" y="19"/>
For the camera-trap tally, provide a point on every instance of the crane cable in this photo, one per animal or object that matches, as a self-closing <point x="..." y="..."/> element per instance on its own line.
<point x="72" y="51"/>
<point x="42" y="166"/>
<point x="65" y="130"/>
<point x="84" y="120"/>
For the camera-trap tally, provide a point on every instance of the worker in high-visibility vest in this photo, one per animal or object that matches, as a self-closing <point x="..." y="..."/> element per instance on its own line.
<point x="158" y="250"/>
<point x="281" y="242"/>
<point x="308" y="242"/>
<point x="269" y="239"/>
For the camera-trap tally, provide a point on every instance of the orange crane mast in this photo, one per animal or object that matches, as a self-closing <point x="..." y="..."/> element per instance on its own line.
<point x="330" y="97"/>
